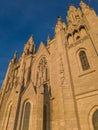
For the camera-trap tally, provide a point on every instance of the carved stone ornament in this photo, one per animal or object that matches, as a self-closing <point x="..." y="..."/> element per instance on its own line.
<point x="61" y="71"/>
<point x="85" y="7"/>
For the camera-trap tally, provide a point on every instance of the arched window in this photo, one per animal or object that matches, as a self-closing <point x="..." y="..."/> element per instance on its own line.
<point x="84" y="60"/>
<point x="46" y="109"/>
<point x="95" y="120"/>
<point x="26" y="116"/>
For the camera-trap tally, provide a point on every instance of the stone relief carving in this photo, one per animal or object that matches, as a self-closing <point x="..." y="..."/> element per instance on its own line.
<point x="74" y="16"/>
<point x="61" y="71"/>
<point x="42" y="72"/>
<point x="12" y="79"/>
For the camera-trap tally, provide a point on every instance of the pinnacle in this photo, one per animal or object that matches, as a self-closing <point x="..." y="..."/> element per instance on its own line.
<point x="71" y="7"/>
<point x="31" y="39"/>
<point x="83" y="4"/>
<point x="15" y="54"/>
<point x="48" y="39"/>
<point x="59" y="18"/>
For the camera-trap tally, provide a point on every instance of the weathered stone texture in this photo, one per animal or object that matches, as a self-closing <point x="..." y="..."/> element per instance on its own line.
<point x="59" y="81"/>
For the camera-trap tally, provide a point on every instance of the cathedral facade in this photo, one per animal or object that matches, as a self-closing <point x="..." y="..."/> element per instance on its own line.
<point x="55" y="88"/>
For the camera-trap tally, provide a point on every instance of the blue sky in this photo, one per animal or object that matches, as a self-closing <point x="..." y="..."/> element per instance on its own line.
<point x="19" y="19"/>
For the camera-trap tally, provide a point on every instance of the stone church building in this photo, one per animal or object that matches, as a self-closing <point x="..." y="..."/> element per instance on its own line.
<point x="55" y="88"/>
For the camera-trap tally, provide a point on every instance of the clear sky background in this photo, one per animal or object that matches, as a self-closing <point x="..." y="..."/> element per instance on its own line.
<point x="19" y="19"/>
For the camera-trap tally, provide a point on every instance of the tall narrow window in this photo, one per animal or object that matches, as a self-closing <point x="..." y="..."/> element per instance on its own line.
<point x="84" y="60"/>
<point x="46" y="109"/>
<point x="26" y="117"/>
<point x="95" y="120"/>
<point x="45" y="118"/>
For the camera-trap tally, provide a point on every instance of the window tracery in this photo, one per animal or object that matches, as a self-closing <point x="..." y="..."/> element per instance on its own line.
<point x="84" y="60"/>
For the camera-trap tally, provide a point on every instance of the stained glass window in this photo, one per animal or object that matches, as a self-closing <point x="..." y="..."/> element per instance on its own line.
<point x="84" y="60"/>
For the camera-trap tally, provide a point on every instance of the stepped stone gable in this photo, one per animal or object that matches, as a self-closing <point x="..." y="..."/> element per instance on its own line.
<point x="56" y="87"/>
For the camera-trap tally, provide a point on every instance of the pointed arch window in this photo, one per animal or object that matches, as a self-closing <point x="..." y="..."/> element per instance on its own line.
<point x="84" y="60"/>
<point x="26" y="116"/>
<point x="46" y="109"/>
<point x="95" y="120"/>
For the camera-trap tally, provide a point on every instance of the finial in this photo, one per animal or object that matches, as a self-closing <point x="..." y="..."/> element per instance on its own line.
<point x="85" y="8"/>
<point x="72" y="7"/>
<point x="41" y="42"/>
<point x="83" y="4"/>
<point x="31" y="39"/>
<point x="31" y="45"/>
<point x="59" y="19"/>
<point x="59" y="24"/>
<point x="13" y="61"/>
<point x="48" y="39"/>
<point x="15" y="55"/>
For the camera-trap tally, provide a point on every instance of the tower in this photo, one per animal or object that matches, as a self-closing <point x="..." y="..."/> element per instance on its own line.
<point x="55" y="87"/>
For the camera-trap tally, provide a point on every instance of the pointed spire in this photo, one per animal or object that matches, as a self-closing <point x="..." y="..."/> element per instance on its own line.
<point x="29" y="48"/>
<point x="13" y="61"/>
<point x="41" y="42"/>
<point x="85" y="8"/>
<point x="59" y="20"/>
<point x="72" y="7"/>
<point x="83" y="5"/>
<point x="31" y="45"/>
<point x="31" y="39"/>
<point x="15" y="55"/>
<point x="59" y="24"/>
<point x="48" y="39"/>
